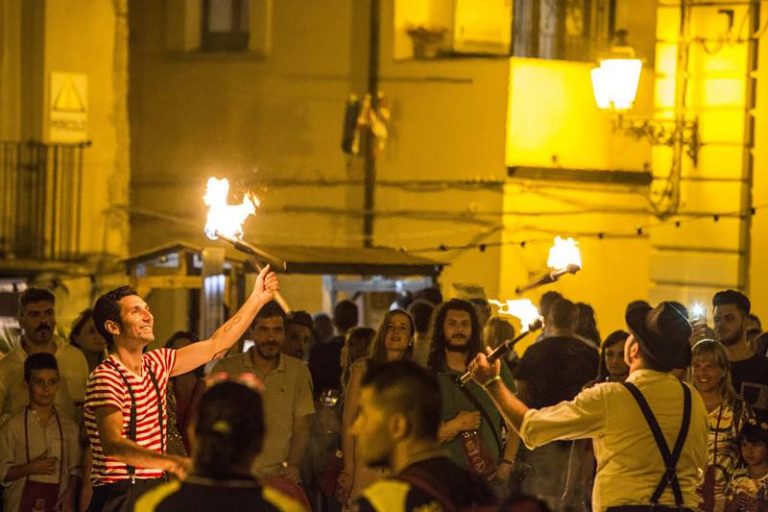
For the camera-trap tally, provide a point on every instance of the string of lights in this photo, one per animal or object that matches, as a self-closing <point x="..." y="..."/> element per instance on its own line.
<point x="640" y="231"/>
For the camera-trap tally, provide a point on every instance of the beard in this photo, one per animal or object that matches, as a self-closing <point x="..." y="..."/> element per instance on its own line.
<point x="462" y="347"/>
<point x="733" y="338"/>
<point x="268" y="351"/>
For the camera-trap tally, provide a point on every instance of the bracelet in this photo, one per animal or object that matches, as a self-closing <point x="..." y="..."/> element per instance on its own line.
<point x="490" y="381"/>
<point x="507" y="461"/>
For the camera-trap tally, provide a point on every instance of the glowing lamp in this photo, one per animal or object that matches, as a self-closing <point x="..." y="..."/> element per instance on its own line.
<point x="615" y="81"/>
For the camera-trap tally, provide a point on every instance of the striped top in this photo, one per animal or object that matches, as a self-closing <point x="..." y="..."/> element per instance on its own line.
<point x="107" y="388"/>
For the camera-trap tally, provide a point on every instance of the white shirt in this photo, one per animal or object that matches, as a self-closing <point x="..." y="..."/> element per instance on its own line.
<point x="13" y="452"/>
<point x="629" y="465"/>
<point x="73" y="370"/>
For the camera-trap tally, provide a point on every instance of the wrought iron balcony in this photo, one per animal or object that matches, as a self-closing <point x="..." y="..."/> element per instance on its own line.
<point x="40" y="201"/>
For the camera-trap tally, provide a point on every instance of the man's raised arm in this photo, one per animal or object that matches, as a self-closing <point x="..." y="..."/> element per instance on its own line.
<point x="488" y="376"/>
<point x="197" y="354"/>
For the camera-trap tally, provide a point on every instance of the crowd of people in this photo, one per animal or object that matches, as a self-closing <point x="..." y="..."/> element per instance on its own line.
<point x="286" y="411"/>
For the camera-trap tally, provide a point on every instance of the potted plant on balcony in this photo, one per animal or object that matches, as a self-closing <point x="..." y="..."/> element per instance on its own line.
<point x="428" y="41"/>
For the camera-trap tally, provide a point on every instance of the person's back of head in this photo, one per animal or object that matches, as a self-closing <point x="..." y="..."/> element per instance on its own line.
<point x="431" y="294"/>
<point x="228" y="431"/>
<point x="404" y="388"/>
<point x="563" y="316"/>
<point x="483" y="309"/>
<point x="546" y="300"/>
<point x="345" y="316"/>
<point x="421" y="311"/>
<point x="662" y="335"/>
<point x="323" y="327"/>
<point x="586" y="326"/>
<point x="357" y="344"/>
<point x="497" y="331"/>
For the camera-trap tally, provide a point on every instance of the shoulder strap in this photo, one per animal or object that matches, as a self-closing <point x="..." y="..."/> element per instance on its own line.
<point x="132" y="420"/>
<point x="423" y="481"/>
<point x="479" y="406"/>
<point x="670" y="458"/>
<point x="155" y="385"/>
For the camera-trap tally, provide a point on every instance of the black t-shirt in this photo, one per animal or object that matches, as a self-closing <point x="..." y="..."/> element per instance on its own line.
<point x="407" y="491"/>
<point x="556" y="369"/>
<point x="325" y="364"/>
<point x="750" y="380"/>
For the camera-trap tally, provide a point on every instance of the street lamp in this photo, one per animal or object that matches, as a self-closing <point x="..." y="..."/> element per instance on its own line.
<point x="614" y="84"/>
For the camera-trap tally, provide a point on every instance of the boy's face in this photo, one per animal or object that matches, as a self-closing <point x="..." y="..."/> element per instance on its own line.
<point x="43" y="385"/>
<point x="754" y="454"/>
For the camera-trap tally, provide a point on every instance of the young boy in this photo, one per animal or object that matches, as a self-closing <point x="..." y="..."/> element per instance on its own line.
<point x="748" y="489"/>
<point x="39" y="450"/>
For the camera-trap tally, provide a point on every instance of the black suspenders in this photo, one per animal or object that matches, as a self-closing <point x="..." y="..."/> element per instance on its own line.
<point x="670" y="458"/>
<point x="132" y="420"/>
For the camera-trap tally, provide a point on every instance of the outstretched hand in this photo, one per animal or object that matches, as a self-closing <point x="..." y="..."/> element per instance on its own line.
<point x="483" y="370"/>
<point x="266" y="285"/>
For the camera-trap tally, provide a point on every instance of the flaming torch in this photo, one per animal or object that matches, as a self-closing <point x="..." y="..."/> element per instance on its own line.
<point x="225" y="221"/>
<point x="529" y="317"/>
<point x="564" y="258"/>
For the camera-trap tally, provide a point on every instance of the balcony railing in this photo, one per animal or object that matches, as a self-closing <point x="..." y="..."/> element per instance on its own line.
<point x="40" y="200"/>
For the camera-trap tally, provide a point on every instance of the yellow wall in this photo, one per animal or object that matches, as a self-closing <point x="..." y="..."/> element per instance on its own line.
<point x="40" y="37"/>
<point x="553" y="123"/>
<point x="260" y="119"/>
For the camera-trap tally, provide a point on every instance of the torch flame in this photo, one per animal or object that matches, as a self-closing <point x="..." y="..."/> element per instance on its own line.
<point x="564" y="253"/>
<point x="223" y="218"/>
<point x="522" y="309"/>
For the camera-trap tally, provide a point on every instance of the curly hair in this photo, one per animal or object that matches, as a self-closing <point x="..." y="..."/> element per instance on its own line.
<point x="437" y="341"/>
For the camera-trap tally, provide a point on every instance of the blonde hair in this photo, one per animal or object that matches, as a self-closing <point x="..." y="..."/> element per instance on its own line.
<point x="715" y="352"/>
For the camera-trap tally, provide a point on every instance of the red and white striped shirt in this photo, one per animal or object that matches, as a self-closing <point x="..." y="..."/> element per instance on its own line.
<point x="107" y="388"/>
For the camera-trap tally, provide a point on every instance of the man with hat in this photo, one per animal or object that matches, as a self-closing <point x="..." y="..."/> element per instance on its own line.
<point x="649" y="434"/>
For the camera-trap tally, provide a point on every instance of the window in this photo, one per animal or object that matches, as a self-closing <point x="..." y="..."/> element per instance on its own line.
<point x="562" y="29"/>
<point x="226" y="25"/>
<point x="544" y="29"/>
<point x="210" y="28"/>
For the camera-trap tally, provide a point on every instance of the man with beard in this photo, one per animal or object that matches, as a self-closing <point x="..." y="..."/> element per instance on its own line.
<point x="38" y="322"/>
<point x="749" y="370"/>
<point x="288" y="403"/>
<point x="472" y="429"/>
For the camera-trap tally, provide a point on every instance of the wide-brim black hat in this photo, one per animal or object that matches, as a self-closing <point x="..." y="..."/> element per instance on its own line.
<point x="663" y="332"/>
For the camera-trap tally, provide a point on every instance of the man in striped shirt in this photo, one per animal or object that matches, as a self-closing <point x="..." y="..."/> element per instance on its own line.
<point x="125" y="408"/>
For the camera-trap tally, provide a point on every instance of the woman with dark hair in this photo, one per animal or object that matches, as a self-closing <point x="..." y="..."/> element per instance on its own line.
<point x="184" y="392"/>
<point x="612" y="365"/>
<point x="393" y="342"/>
<point x="227" y="436"/>
<point x="85" y="337"/>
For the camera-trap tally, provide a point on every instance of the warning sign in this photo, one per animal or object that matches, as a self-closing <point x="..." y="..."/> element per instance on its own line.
<point x="68" y="119"/>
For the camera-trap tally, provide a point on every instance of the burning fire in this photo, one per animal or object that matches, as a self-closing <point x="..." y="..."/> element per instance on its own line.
<point x="564" y="253"/>
<point x="225" y="219"/>
<point x="522" y="309"/>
